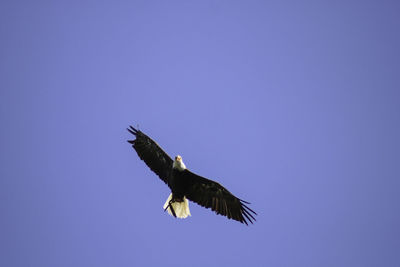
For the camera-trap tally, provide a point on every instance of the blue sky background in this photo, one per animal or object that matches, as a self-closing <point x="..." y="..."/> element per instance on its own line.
<point x="292" y="105"/>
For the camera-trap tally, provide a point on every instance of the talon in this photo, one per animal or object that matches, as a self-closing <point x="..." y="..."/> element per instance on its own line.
<point x="172" y="209"/>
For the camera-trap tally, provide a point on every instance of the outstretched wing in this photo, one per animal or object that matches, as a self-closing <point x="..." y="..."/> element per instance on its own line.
<point x="210" y="194"/>
<point x="149" y="151"/>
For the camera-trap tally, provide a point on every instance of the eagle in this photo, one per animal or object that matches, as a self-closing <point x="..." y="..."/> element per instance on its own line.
<point x="186" y="185"/>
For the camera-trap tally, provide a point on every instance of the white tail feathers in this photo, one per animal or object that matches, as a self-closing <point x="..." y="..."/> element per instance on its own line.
<point x="181" y="208"/>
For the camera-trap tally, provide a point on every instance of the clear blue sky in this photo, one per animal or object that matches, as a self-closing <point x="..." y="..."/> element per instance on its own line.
<point x="292" y="105"/>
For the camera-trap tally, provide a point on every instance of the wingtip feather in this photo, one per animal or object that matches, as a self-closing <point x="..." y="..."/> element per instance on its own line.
<point x="247" y="217"/>
<point x="132" y="130"/>
<point x="247" y="213"/>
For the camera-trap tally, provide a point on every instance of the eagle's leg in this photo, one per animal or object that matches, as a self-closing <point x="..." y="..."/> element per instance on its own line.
<point x="170" y="206"/>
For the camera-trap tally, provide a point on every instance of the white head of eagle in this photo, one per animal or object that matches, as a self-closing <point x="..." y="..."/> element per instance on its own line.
<point x="186" y="185"/>
<point x="178" y="163"/>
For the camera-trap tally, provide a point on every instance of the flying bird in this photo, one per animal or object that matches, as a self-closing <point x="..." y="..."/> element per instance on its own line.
<point x="186" y="185"/>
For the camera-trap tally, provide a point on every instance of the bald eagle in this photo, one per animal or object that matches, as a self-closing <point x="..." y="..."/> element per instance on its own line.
<point x="186" y="185"/>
